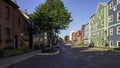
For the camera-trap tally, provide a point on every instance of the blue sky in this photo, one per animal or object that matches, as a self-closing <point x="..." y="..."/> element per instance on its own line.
<point x="81" y="11"/>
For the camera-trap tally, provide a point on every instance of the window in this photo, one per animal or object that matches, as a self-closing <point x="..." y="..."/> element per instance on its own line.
<point x="7" y="33"/>
<point x="118" y="1"/>
<point x="102" y="22"/>
<point x="111" y="5"/>
<point x="118" y="16"/>
<point x="118" y="43"/>
<point x="111" y="31"/>
<point x="115" y="8"/>
<point x="0" y="9"/>
<point x="99" y="17"/>
<point x="7" y="12"/>
<point x="118" y="30"/>
<point x="110" y="18"/>
<point x="111" y="43"/>
<point x="0" y="32"/>
<point x="102" y="11"/>
<point x="19" y="22"/>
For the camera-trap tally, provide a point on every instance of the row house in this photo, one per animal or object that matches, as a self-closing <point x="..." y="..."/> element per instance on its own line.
<point x="86" y="34"/>
<point x="14" y="26"/>
<point x="82" y="34"/>
<point x="99" y="25"/>
<point x="76" y="37"/>
<point x="114" y="23"/>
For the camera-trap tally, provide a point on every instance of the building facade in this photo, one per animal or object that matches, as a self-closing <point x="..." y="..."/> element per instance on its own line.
<point x="82" y="34"/>
<point x="99" y="25"/>
<point x="86" y="34"/>
<point x="14" y="26"/>
<point x="114" y="23"/>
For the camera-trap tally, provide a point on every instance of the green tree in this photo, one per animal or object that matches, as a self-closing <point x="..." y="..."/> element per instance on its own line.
<point x="51" y="17"/>
<point x="66" y="38"/>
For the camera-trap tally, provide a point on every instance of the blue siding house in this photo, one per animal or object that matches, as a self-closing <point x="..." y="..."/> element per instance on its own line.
<point x="114" y="23"/>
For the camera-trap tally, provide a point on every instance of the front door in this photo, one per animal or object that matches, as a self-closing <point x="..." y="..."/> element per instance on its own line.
<point x="16" y="41"/>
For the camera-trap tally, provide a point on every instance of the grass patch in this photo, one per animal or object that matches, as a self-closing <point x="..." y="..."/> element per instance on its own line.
<point x="109" y="48"/>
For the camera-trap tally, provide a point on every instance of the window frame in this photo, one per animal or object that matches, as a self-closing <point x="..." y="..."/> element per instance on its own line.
<point x="111" y="4"/>
<point x="111" y="31"/>
<point x="8" y="33"/>
<point x="114" y="7"/>
<point x="118" y="29"/>
<point x="118" y="2"/>
<point x="117" y="43"/>
<point x="110" y="17"/>
<point x="117" y="16"/>
<point x="7" y="12"/>
<point x="110" y="43"/>
<point x="0" y="10"/>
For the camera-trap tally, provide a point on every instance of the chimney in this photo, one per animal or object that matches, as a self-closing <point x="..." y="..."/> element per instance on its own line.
<point x="25" y="11"/>
<point x="15" y="1"/>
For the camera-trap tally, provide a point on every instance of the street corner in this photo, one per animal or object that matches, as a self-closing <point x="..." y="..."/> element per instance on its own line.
<point x="54" y="53"/>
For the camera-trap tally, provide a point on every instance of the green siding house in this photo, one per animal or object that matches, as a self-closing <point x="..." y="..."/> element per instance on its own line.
<point x="99" y="25"/>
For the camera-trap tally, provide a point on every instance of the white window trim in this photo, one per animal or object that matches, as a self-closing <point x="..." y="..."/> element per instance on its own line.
<point x="115" y="8"/>
<point x="110" y="31"/>
<point x="110" y="43"/>
<point x="109" y="18"/>
<point x="118" y="2"/>
<point x="117" y="16"/>
<point x="117" y="43"/>
<point x="110" y="5"/>
<point x="117" y="29"/>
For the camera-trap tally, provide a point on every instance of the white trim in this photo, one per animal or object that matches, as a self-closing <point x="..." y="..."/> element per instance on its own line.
<point x="117" y="44"/>
<point x="99" y="29"/>
<point x="111" y="31"/>
<point x="114" y="25"/>
<point x="117" y="16"/>
<point x="114" y="7"/>
<point x="110" y="43"/>
<point x="117" y="29"/>
<point x="110" y="17"/>
<point x="118" y="2"/>
<point x="111" y="5"/>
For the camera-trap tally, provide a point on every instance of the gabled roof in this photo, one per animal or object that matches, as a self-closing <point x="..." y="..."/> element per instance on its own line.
<point x="103" y="3"/>
<point x="11" y="3"/>
<point x="27" y="18"/>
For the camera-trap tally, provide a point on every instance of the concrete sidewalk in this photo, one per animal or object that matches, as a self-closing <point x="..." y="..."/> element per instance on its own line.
<point x="15" y="59"/>
<point x="102" y="49"/>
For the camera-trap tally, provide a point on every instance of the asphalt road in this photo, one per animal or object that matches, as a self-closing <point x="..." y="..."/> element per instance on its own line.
<point x="69" y="57"/>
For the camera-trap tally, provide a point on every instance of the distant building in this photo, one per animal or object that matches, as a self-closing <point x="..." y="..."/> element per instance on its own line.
<point x="82" y="34"/>
<point x="71" y="35"/>
<point x="86" y="34"/>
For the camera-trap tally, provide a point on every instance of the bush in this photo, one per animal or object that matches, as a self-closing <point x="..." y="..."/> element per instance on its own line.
<point x="12" y="52"/>
<point x="37" y="47"/>
<point x="26" y="50"/>
<point x="1" y="53"/>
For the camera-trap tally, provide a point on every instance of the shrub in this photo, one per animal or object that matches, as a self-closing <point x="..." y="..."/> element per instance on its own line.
<point x="37" y="47"/>
<point x="1" y="53"/>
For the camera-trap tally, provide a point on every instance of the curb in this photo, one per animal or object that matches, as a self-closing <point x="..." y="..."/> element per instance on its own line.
<point x="10" y="61"/>
<point x="6" y="65"/>
<point x="49" y="53"/>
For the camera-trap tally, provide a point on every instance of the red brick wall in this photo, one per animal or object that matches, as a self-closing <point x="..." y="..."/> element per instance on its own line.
<point x="13" y="24"/>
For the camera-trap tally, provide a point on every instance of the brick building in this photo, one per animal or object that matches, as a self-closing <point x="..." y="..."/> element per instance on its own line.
<point x="82" y="34"/>
<point x="14" y="26"/>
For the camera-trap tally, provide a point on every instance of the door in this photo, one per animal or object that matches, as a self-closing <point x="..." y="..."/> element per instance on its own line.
<point x="16" y="41"/>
